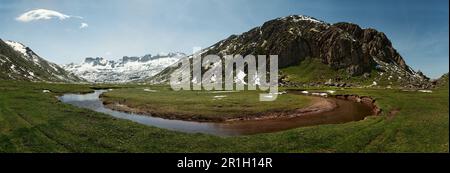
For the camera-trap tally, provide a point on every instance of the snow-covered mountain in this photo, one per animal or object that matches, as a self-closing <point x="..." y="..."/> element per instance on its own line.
<point x="19" y="62"/>
<point x="127" y="69"/>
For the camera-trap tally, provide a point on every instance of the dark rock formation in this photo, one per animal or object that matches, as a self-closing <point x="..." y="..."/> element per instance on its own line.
<point x="343" y="47"/>
<point x="294" y="38"/>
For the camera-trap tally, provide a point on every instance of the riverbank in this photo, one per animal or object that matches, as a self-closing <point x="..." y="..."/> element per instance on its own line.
<point x="318" y="105"/>
<point x="322" y="111"/>
<point x="209" y="106"/>
<point x="319" y="102"/>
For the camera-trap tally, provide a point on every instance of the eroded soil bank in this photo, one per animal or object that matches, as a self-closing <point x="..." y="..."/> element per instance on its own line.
<point x="368" y="101"/>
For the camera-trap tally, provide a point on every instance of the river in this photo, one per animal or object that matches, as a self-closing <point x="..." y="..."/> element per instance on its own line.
<point x="346" y="111"/>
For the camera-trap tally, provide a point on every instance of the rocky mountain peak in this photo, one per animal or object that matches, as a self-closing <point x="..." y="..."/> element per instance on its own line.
<point x="126" y="69"/>
<point x="301" y="18"/>
<point x="95" y="61"/>
<point x="296" y="37"/>
<point x="341" y="46"/>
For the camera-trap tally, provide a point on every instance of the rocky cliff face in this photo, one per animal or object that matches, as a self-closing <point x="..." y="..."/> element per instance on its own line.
<point x="341" y="46"/>
<point x="294" y="38"/>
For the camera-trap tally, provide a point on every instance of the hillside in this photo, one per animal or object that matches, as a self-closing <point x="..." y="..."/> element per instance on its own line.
<point x="442" y="82"/>
<point x="18" y="62"/>
<point x="313" y="52"/>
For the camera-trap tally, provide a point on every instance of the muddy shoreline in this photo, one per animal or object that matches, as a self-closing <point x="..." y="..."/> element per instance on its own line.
<point x="366" y="100"/>
<point x="320" y="104"/>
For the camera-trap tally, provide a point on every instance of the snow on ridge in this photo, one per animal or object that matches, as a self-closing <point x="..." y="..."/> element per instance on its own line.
<point x="298" y="18"/>
<point x="22" y="49"/>
<point x="240" y="77"/>
<point x="123" y="70"/>
<point x="19" y="47"/>
<point x="2" y="61"/>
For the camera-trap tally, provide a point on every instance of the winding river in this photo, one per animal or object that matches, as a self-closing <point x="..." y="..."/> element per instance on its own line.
<point x="345" y="112"/>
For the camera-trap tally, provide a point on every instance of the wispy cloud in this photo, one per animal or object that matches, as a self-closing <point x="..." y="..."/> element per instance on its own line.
<point x="43" y="14"/>
<point x="84" y="25"/>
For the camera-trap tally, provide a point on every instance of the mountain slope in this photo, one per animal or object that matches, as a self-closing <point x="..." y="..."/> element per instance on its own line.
<point x="18" y="62"/>
<point x="442" y="82"/>
<point x="348" y="52"/>
<point x="127" y="69"/>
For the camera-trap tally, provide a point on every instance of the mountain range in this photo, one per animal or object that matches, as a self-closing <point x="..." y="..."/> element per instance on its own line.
<point x="127" y="69"/>
<point x="311" y="53"/>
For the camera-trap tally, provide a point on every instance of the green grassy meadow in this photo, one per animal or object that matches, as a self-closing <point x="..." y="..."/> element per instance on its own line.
<point x="33" y="121"/>
<point x="202" y="105"/>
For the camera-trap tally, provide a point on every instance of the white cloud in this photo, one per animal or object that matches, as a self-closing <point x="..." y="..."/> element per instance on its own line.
<point x="43" y="14"/>
<point x="84" y="25"/>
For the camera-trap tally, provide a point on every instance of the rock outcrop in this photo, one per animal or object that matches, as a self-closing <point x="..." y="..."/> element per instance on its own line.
<point x="294" y="38"/>
<point x="341" y="46"/>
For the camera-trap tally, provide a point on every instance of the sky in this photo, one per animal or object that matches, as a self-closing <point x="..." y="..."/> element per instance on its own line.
<point x="74" y="29"/>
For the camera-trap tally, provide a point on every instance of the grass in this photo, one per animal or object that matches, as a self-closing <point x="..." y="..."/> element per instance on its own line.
<point x="307" y="70"/>
<point x="202" y="105"/>
<point x="33" y="121"/>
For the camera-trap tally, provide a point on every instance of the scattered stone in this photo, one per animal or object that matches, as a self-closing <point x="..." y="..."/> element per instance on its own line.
<point x="323" y="94"/>
<point x="366" y="75"/>
<point x="329" y="82"/>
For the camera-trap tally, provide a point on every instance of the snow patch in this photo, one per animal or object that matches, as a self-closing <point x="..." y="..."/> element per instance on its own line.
<point x="240" y="77"/>
<point x="149" y="90"/>
<point x="298" y="18"/>
<point x="216" y="92"/>
<point x="13" y="67"/>
<point x="2" y="61"/>
<point x="323" y="94"/>
<point x="219" y="97"/>
<point x="331" y="91"/>
<point x="19" y="47"/>
<point x="268" y="96"/>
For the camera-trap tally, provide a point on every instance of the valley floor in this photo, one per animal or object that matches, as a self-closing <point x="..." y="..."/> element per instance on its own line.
<point x="34" y="121"/>
<point x="161" y="101"/>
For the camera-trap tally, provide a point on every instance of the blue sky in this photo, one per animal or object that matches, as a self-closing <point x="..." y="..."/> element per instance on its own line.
<point x="419" y="30"/>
